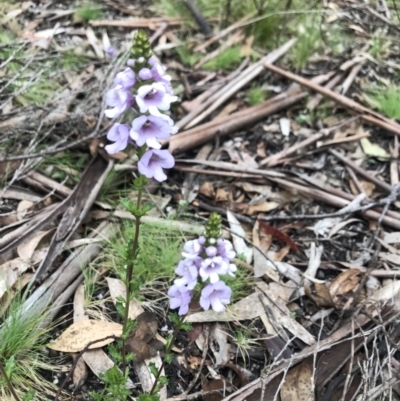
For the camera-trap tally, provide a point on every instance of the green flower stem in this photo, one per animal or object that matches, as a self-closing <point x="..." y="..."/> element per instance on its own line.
<point x="128" y="279"/>
<point x="167" y="351"/>
<point x="9" y="384"/>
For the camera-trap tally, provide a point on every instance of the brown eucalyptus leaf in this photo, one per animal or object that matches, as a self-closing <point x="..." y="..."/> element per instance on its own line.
<point x="297" y="384"/>
<point x="26" y="250"/>
<point x="344" y="285"/>
<point x="320" y="294"/>
<point x="80" y="334"/>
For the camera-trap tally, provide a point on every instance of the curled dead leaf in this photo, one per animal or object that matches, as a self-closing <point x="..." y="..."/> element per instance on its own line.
<point x="320" y="294"/>
<point x="344" y="286"/>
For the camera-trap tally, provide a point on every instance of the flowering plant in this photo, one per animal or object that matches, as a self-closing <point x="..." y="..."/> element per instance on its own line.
<point x="207" y="258"/>
<point x="144" y="89"/>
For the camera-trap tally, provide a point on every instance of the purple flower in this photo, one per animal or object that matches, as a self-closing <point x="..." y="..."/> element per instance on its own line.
<point x="126" y="79"/>
<point x="120" y="99"/>
<point x="147" y="129"/>
<point x="180" y="298"/>
<point x="153" y="97"/>
<point x="211" y="251"/>
<point x="225" y="249"/>
<point x="217" y="295"/>
<point x="111" y="52"/>
<point x="156" y="73"/>
<point x="192" y="249"/>
<point x="189" y="270"/>
<point x="153" y="161"/>
<point x="212" y="267"/>
<point x="119" y="133"/>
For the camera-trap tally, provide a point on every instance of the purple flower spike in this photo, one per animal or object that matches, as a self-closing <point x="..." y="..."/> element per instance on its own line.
<point x="120" y="100"/>
<point x="212" y="267"/>
<point x="156" y="73"/>
<point x="153" y="97"/>
<point x="126" y="79"/>
<point x="192" y="249"/>
<point x="180" y="298"/>
<point x="225" y="249"/>
<point x="152" y="163"/>
<point x="215" y="295"/>
<point x="147" y="129"/>
<point x="119" y="133"/>
<point x="189" y="270"/>
<point x="211" y="251"/>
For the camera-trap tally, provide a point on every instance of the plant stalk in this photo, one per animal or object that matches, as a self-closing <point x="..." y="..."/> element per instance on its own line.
<point x="9" y="384"/>
<point x="167" y="351"/>
<point x="129" y="275"/>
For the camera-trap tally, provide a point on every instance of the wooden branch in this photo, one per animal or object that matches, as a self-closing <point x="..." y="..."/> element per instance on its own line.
<point x="139" y="22"/>
<point x="231" y="123"/>
<point x="231" y="88"/>
<point x="343" y="100"/>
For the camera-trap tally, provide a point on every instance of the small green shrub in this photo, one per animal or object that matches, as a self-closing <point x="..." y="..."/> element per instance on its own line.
<point x="227" y="60"/>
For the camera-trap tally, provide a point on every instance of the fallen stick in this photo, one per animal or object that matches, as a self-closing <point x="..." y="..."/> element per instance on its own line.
<point x="222" y="33"/>
<point x="198" y="135"/>
<point x="232" y="87"/>
<point x="231" y="123"/>
<point x="343" y="100"/>
<point x="276" y="158"/>
<point x="335" y="201"/>
<point x="364" y="173"/>
<point x="316" y="100"/>
<point x="138" y="22"/>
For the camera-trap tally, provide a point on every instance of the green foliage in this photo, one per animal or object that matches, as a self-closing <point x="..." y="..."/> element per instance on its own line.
<point x="377" y="49"/>
<point x="21" y="343"/>
<point x="255" y="96"/>
<point x="307" y="41"/>
<point x="116" y="185"/>
<point x="160" y="249"/>
<point x="87" y="11"/>
<point x="227" y="60"/>
<point x="65" y="164"/>
<point x="186" y="55"/>
<point x="148" y="397"/>
<point x="29" y="396"/>
<point x="242" y="284"/>
<point x="114" y="386"/>
<point x="386" y="100"/>
<point x="243" y="340"/>
<point x="132" y="208"/>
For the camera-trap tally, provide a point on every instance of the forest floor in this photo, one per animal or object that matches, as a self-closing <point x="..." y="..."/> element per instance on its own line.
<point x="287" y="119"/>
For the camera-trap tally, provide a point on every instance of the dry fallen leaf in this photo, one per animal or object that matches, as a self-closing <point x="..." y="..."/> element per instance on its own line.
<point x="298" y="385"/>
<point x="238" y="236"/>
<point x="26" y="250"/>
<point x="80" y="334"/>
<point x="373" y="150"/>
<point x="344" y="285"/>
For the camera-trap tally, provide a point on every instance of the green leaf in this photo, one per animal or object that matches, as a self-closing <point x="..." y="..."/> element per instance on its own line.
<point x="153" y="369"/>
<point x="148" y="397"/>
<point x="163" y="380"/>
<point x="169" y="358"/>
<point x="186" y="326"/>
<point x="29" y="396"/>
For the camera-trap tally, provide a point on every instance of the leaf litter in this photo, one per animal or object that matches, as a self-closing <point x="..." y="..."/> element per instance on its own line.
<point x="306" y="180"/>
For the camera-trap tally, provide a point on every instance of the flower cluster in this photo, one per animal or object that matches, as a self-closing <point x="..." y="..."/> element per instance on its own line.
<point x="144" y="89"/>
<point x="205" y="259"/>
